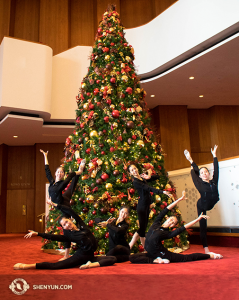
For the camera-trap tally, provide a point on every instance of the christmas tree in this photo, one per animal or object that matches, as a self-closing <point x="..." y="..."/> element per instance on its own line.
<point x="112" y="130"/>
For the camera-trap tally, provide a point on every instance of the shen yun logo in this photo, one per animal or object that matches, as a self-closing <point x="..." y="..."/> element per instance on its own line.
<point x="19" y="286"/>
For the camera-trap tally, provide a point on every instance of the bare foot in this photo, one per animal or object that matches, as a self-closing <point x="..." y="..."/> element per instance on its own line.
<point x="215" y="255"/>
<point x="19" y="266"/>
<point x="160" y="260"/>
<point x="85" y="266"/>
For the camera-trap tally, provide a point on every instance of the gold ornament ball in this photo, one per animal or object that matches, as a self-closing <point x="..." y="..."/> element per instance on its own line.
<point x="118" y="181"/>
<point x="140" y="143"/>
<point x="125" y="148"/>
<point x="83" y="85"/>
<point x="106" y="163"/>
<point x="90" y="197"/>
<point x="93" y="133"/>
<point x="85" y="106"/>
<point x="107" y="57"/>
<point x="96" y="205"/>
<point x="115" y="125"/>
<point x="108" y="186"/>
<point x="86" y="139"/>
<point x="112" y="106"/>
<point x="124" y="78"/>
<point x="157" y="198"/>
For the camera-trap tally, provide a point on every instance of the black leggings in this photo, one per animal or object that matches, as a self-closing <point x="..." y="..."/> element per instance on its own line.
<point x="145" y="258"/>
<point x="143" y="216"/>
<point x="68" y="194"/>
<point x="76" y="260"/>
<point x="120" y="252"/>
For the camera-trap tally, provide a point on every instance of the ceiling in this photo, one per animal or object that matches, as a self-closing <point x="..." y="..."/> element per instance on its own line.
<point x="216" y="77"/>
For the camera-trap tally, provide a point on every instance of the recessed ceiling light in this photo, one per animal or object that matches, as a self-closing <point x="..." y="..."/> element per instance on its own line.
<point x="152" y="95"/>
<point x="15" y="136"/>
<point x="201" y="96"/>
<point x="191" y="77"/>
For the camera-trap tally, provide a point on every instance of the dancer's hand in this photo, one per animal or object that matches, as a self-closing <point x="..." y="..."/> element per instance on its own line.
<point x="48" y="201"/>
<point x="43" y="152"/>
<point x="214" y="151"/>
<point x="64" y="257"/>
<point x="147" y="176"/>
<point x="188" y="156"/>
<point x="102" y="224"/>
<point x="183" y="196"/>
<point x="30" y="234"/>
<point x="152" y="205"/>
<point x="202" y="216"/>
<point x="167" y="193"/>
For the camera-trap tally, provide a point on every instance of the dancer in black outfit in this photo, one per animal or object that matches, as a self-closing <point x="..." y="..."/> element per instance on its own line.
<point x="57" y="185"/>
<point x="156" y="252"/>
<point x="145" y="200"/>
<point x="79" y="234"/>
<point x="118" y="246"/>
<point x="208" y="190"/>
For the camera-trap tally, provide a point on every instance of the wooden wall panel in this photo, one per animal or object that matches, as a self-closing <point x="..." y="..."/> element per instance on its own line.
<point x="82" y="22"/>
<point x="174" y="132"/>
<point x="5" y="8"/>
<point x="21" y="168"/>
<point x="16" y="221"/>
<point x="26" y="25"/>
<point x="224" y="130"/>
<point x="3" y="187"/>
<point x="155" y="122"/>
<point x="136" y="13"/>
<point x="54" y="24"/>
<point x="162" y="5"/>
<point x="55" y="155"/>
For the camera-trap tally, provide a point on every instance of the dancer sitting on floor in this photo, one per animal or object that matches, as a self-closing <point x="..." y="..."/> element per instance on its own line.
<point x="156" y="252"/>
<point x="57" y="185"/>
<point x="208" y="190"/>
<point x="118" y="246"/>
<point x="79" y="234"/>
<point x="145" y="200"/>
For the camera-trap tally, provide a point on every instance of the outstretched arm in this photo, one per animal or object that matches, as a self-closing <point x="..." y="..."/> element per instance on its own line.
<point x="190" y="224"/>
<point x="45" y="156"/>
<point x="170" y="206"/>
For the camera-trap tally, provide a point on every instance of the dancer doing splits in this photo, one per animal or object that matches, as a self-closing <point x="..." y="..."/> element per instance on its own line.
<point x="156" y="252"/>
<point x="57" y="185"/>
<point x="79" y="234"/>
<point x="145" y="200"/>
<point x="208" y="190"/>
<point x="118" y="246"/>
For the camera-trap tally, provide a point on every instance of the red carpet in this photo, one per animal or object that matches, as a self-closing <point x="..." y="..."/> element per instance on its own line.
<point x="209" y="279"/>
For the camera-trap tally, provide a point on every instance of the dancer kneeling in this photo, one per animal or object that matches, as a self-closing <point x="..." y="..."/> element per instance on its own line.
<point x="118" y="245"/>
<point x="79" y="234"/>
<point x="156" y="252"/>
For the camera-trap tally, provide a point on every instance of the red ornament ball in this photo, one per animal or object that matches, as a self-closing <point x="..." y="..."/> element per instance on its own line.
<point x="90" y="223"/>
<point x="85" y="209"/>
<point x="104" y="176"/>
<point x="106" y="119"/>
<point x="115" y="113"/>
<point x="107" y="235"/>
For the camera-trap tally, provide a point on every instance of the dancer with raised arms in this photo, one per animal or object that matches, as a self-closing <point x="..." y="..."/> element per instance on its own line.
<point x="208" y="190"/>
<point x="156" y="252"/>
<point x="78" y="233"/>
<point x="140" y="183"/>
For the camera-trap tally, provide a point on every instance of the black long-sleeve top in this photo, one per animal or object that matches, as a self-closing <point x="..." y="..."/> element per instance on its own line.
<point x="207" y="190"/>
<point x="144" y="190"/>
<point x="56" y="188"/>
<point x="83" y="237"/>
<point x="156" y="234"/>
<point x="117" y="234"/>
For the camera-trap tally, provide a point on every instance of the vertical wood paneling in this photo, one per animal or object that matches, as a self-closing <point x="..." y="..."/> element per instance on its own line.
<point x="224" y="130"/>
<point x="54" y="25"/>
<point x="26" y="25"/>
<point x="3" y="187"/>
<point x="136" y="13"/>
<point x="5" y="7"/>
<point x="155" y="122"/>
<point x="16" y="221"/>
<point x="55" y="155"/>
<point x="82" y="22"/>
<point x="162" y="5"/>
<point x="174" y="132"/>
<point x="21" y="168"/>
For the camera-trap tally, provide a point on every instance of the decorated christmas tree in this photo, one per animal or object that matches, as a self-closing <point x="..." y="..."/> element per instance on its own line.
<point x="112" y="130"/>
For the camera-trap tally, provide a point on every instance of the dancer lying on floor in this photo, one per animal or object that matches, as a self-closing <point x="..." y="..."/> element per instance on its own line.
<point x="143" y="189"/>
<point x="57" y="185"/>
<point x="208" y="190"/>
<point x="118" y="246"/>
<point x="156" y="252"/>
<point x="78" y="233"/>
